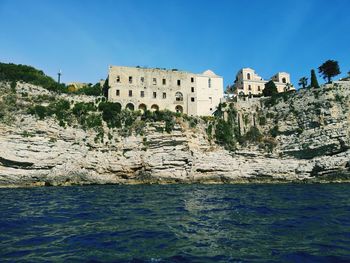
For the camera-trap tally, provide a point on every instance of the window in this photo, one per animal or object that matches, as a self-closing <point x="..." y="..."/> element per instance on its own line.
<point x="249" y="87"/>
<point x="154" y="95"/>
<point x="211" y="109"/>
<point x="179" y="96"/>
<point x="211" y="100"/>
<point x="117" y="92"/>
<point x="164" y="81"/>
<point x="118" y="79"/>
<point x="258" y="88"/>
<point x="192" y="89"/>
<point x="142" y="93"/>
<point x="179" y="109"/>
<point x="130" y="79"/>
<point x="154" y="81"/>
<point x="142" y="79"/>
<point x="284" y="80"/>
<point x="130" y="93"/>
<point x="192" y="99"/>
<point x="248" y="76"/>
<point x="179" y="82"/>
<point x="192" y="79"/>
<point x="164" y="95"/>
<point x="209" y="83"/>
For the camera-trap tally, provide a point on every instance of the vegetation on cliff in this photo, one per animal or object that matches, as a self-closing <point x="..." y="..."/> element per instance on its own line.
<point x="261" y="127"/>
<point x="13" y="73"/>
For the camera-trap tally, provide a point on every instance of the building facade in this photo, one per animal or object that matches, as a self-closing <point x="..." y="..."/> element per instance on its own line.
<point x="249" y="83"/>
<point x="137" y="88"/>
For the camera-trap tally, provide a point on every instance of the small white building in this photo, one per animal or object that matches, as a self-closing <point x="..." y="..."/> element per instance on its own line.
<point x="138" y="88"/>
<point x="250" y="83"/>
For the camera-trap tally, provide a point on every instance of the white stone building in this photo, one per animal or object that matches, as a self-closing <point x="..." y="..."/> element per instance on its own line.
<point x="138" y="88"/>
<point x="249" y="83"/>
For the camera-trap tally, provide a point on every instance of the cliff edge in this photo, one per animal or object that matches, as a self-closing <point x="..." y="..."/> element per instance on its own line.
<point x="300" y="137"/>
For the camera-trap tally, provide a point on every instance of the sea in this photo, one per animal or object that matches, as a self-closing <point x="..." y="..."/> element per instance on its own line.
<point x="176" y="223"/>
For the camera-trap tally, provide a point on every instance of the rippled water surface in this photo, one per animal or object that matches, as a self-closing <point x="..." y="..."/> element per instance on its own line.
<point x="176" y="223"/>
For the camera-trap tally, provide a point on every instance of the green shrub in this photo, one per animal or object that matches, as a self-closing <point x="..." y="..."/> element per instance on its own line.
<point x="274" y="131"/>
<point x="262" y="120"/>
<point x="110" y="114"/>
<point x="13" y="86"/>
<point x="224" y="134"/>
<point x="39" y="111"/>
<point x="209" y="131"/>
<point x="270" y="89"/>
<point x="93" y="120"/>
<point x="193" y="122"/>
<point x="253" y="135"/>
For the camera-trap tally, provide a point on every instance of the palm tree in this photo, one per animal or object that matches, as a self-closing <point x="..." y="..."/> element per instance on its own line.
<point x="303" y="82"/>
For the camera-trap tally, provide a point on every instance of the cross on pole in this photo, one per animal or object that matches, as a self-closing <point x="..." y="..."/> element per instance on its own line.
<point x="59" y="76"/>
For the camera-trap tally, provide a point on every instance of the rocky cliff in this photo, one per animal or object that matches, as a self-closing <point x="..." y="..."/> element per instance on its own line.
<point x="303" y="137"/>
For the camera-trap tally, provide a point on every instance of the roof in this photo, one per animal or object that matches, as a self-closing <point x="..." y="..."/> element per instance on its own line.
<point x="209" y="73"/>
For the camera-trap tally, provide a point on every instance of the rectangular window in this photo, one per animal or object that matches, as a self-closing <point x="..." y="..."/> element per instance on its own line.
<point x="142" y="79"/>
<point x="118" y="79"/>
<point x="117" y="92"/>
<point x="209" y="83"/>
<point x="154" y="81"/>
<point x="192" y="79"/>
<point x="258" y="88"/>
<point x="130" y="93"/>
<point x="192" y="99"/>
<point x="142" y="93"/>
<point x="179" y="82"/>
<point x="192" y="89"/>
<point x="130" y="79"/>
<point x="164" y="81"/>
<point x="154" y="95"/>
<point x="164" y="95"/>
<point x="249" y="87"/>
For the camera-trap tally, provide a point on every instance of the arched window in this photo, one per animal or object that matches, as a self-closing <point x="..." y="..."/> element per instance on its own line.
<point x="248" y="75"/>
<point x="130" y="106"/>
<point x="179" y="96"/>
<point x="142" y="108"/>
<point x="154" y="107"/>
<point x="179" y="109"/>
<point x="284" y="80"/>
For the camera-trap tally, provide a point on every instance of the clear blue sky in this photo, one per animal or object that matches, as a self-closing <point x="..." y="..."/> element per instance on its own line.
<point x="83" y="37"/>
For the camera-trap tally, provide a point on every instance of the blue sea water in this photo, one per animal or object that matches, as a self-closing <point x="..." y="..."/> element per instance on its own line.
<point x="176" y="223"/>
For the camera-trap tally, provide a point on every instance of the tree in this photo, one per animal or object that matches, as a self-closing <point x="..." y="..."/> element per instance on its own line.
<point x="105" y="88"/>
<point x="270" y="89"/>
<point x="303" y="82"/>
<point x="314" y="82"/>
<point x="329" y="69"/>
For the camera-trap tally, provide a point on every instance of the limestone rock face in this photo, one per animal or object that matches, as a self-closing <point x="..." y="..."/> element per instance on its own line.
<point x="311" y="143"/>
